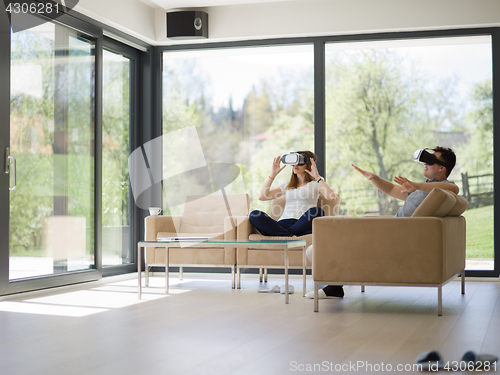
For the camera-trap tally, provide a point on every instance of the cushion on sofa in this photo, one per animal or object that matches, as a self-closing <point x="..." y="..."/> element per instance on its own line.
<point x="460" y="206"/>
<point x="438" y="203"/>
<point x="206" y="213"/>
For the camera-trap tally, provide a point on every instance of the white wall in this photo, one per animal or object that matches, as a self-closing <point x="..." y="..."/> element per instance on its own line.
<point x="130" y="16"/>
<point x="301" y="17"/>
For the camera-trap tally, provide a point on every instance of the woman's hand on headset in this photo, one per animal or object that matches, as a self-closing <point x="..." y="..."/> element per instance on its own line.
<point x="314" y="170"/>
<point x="276" y="168"/>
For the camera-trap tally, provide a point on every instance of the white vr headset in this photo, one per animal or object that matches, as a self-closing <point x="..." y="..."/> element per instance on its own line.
<point x="422" y="156"/>
<point x="294" y="158"/>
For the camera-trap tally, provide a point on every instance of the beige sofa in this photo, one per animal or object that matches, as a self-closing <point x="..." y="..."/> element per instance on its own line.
<point x="427" y="249"/>
<point x="212" y="216"/>
<point x="268" y="258"/>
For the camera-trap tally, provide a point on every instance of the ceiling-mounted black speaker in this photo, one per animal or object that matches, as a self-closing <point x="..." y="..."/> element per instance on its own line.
<point x="187" y="25"/>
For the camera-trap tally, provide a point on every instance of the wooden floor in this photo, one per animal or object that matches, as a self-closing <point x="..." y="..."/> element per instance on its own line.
<point x="205" y="327"/>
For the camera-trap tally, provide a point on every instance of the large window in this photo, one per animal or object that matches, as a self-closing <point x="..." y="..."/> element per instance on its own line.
<point x="52" y="138"/>
<point x="241" y="106"/>
<point x="384" y="100"/>
<point x="387" y="99"/>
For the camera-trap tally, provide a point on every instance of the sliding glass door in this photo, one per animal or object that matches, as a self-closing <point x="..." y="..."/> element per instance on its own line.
<point x="50" y="154"/>
<point x="52" y="141"/>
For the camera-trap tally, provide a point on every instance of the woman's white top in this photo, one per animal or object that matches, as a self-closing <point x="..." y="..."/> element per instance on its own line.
<point x="299" y="200"/>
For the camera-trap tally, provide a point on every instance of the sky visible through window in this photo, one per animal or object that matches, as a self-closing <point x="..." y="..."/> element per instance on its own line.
<point x="245" y="66"/>
<point x="466" y="58"/>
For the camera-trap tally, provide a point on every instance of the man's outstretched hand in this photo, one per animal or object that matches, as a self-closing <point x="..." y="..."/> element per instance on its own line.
<point x="409" y="186"/>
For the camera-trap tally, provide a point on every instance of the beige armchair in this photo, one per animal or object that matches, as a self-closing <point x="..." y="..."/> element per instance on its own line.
<point x="210" y="216"/>
<point x="269" y="258"/>
<point x="427" y="249"/>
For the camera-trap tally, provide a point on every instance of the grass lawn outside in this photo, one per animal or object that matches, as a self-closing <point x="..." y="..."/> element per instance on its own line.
<point x="480" y="232"/>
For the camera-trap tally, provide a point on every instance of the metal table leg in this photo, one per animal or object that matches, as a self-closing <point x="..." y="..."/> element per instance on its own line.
<point x="286" y="274"/>
<point x="167" y="263"/>
<point x="139" y="271"/>
<point x="304" y="268"/>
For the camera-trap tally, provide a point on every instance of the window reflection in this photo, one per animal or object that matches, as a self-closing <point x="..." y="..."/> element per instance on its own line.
<point x="248" y="106"/>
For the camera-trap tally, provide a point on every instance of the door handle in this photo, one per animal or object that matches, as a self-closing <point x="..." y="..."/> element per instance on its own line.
<point x="8" y="158"/>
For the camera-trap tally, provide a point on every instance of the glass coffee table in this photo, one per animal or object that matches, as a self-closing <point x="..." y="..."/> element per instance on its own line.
<point x="285" y="245"/>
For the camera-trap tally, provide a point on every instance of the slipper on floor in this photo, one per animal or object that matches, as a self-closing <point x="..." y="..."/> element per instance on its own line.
<point x="478" y="360"/>
<point x="321" y="294"/>
<point x="274" y="289"/>
<point x="430" y="360"/>
<point x="290" y="289"/>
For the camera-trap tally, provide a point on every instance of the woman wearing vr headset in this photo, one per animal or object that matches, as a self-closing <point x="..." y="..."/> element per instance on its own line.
<point x="302" y="193"/>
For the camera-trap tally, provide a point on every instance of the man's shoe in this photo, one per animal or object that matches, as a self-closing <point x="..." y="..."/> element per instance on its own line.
<point x="334" y="291"/>
<point x="329" y="291"/>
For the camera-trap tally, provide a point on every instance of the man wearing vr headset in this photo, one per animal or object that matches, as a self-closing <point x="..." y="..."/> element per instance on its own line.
<point x="438" y="167"/>
<point x="301" y="192"/>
